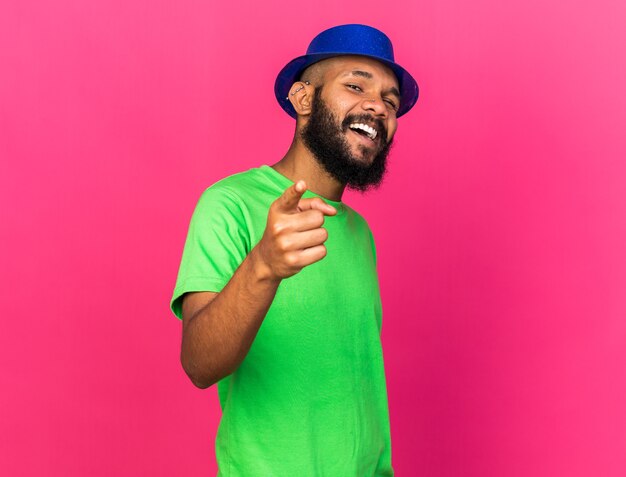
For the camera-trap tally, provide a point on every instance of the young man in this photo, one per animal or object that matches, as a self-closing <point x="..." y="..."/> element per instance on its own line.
<point x="277" y="287"/>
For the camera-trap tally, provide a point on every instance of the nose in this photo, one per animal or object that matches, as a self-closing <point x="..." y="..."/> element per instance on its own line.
<point x="376" y="106"/>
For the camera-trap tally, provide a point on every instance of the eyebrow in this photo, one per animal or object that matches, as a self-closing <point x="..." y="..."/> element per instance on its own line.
<point x="365" y="74"/>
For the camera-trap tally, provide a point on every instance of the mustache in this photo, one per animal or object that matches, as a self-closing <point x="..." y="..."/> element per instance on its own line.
<point x="367" y="119"/>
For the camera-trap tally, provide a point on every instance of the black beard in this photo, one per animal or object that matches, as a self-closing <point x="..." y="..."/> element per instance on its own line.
<point x="327" y="142"/>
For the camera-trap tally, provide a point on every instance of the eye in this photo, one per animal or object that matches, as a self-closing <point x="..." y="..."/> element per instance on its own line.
<point x="355" y="87"/>
<point x="391" y="104"/>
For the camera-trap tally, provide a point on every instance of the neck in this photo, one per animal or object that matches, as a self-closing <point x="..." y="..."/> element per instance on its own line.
<point x="298" y="163"/>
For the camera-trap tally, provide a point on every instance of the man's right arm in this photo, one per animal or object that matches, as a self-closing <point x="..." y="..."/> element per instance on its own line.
<point x="219" y="328"/>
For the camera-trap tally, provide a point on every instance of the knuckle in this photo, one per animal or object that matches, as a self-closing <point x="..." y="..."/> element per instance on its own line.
<point x="276" y="228"/>
<point x="318" y="217"/>
<point x="284" y="242"/>
<point x="291" y="259"/>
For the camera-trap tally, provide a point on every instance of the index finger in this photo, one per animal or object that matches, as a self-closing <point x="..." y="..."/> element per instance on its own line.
<point x="288" y="201"/>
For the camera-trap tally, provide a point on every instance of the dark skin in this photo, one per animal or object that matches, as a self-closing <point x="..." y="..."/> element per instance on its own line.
<point x="219" y="328"/>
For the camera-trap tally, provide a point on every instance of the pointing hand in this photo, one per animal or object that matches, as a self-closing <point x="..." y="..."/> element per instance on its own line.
<point x="294" y="237"/>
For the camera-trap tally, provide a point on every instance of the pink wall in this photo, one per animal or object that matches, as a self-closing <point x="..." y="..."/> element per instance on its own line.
<point x="500" y="229"/>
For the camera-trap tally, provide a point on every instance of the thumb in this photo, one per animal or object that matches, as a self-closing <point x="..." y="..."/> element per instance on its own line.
<point x="288" y="201"/>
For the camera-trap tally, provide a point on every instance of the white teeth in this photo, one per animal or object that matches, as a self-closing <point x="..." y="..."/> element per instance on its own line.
<point x="371" y="132"/>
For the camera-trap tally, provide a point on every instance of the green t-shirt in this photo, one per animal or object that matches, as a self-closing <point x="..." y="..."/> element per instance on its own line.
<point x="310" y="398"/>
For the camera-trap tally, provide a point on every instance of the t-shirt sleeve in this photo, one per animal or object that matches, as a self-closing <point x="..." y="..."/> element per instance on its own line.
<point x="217" y="242"/>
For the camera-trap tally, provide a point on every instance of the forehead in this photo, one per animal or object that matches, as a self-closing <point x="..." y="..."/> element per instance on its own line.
<point x="345" y="65"/>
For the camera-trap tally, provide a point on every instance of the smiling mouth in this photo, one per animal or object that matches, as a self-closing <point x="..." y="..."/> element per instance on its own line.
<point x="364" y="130"/>
<point x="364" y="141"/>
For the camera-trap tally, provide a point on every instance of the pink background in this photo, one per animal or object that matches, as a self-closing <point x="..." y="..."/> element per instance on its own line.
<point x="501" y="227"/>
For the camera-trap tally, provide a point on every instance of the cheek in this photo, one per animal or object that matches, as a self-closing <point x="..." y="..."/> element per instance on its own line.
<point x="343" y="105"/>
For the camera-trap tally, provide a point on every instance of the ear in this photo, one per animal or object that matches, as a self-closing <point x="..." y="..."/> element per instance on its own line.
<point x="301" y="97"/>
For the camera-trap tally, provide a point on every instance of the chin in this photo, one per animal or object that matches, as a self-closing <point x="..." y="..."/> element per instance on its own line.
<point x="364" y="156"/>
